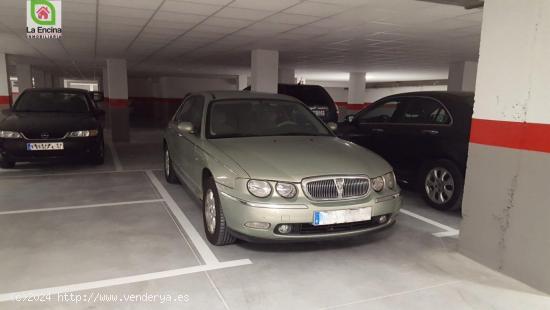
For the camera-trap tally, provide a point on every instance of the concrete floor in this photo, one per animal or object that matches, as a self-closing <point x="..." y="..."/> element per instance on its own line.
<point x="82" y="237"/>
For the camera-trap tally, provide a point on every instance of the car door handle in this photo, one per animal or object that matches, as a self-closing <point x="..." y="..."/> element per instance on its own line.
<point x="430" y="132"/>
<point x="380" y="130"/>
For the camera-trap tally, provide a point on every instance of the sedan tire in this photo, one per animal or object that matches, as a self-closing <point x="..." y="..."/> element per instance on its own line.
<point x="6" y="164"/>
<point x="169" y="172"/>
<point x="215" y="225"/>
<point x="442" y="185"/>
<point x="99" y="157"/>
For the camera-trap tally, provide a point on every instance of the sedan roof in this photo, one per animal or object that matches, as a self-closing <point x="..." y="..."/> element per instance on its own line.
<point x="234" y="94"/>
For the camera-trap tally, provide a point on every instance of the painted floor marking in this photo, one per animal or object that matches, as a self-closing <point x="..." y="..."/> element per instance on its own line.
<point x="204" y="251"/>
<point x="120" y="281"/>
<point x="110" y="204"/>
<point x="448" y="231"/>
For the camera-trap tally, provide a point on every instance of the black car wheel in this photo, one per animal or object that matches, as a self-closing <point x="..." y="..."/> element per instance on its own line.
<point x="6" y="164"/>
<point x="169" y="173"/>
<point x="442" y="185"/>
<point x="215" y="225"/>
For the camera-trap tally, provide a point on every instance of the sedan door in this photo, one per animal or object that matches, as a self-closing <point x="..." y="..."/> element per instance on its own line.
<point x="185" y="142"/>
<point x="423" y="127"/>
<point x="374" y="128"/>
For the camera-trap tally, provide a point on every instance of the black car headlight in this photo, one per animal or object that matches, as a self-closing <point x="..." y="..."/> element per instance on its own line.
<point x="6" y="134"/>
<point x="83" y="133"/>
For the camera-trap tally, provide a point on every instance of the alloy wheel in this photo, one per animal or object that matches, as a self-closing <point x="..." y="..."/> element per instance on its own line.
<point x="439" y="185"/>
<point x="210" y="211"/>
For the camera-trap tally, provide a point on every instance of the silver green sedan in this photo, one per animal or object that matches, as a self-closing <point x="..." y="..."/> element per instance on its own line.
<point x="266" y="168"/>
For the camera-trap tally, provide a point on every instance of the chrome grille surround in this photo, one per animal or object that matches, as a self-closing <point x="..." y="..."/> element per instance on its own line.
<point x="335" y="188"/>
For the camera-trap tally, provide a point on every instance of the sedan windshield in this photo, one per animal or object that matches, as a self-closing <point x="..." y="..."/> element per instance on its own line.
<point x="252" y="118"/>
<point x="51" y="101"/>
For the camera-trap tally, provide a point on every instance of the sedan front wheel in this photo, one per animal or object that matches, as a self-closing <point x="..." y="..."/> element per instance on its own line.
<point x="442" y="185"/>
<point x="215" y="225"/>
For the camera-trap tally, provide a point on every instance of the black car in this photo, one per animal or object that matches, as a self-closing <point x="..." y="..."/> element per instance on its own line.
<point x="315" y="97"/>
<point x="424" y="135"/>
<point x="45" y="124"/>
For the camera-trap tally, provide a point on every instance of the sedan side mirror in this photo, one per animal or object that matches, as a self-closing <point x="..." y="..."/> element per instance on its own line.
<point x="350" y="118"/>
<point x="185" y="127"/>
<point x="98" y="96"/>
<point x="332" y="126"/>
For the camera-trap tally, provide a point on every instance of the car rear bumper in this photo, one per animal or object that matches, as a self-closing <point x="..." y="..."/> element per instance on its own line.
<point x="238" y="213"/>
<point x="73" y="148"/>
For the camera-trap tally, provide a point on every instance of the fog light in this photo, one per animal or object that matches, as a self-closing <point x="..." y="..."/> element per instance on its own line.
<point x="383" y="219"/>
<point x="257" y="225"/>
<point x="284" y="229"/>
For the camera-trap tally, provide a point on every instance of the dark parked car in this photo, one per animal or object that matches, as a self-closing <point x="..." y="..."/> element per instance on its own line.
<point x="315" y="97"/>
<point x="424" y="136"/>
<point x="46" y="124"/>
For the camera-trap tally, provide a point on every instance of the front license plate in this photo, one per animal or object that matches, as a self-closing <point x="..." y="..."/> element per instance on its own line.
<point x="44" y="146"/>
<point x="341" y="216"/>
<point x="319" y="113"/>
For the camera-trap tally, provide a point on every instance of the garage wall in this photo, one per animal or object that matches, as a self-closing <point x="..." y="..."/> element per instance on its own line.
<point x="153" y="101"/>
<point x="506" y="207"/>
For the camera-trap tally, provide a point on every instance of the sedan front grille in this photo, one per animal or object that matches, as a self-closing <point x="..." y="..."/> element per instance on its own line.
<point x="336" y="188"/>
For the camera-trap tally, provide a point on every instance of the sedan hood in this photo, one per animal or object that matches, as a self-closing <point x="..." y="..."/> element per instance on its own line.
<point x="295" y="158"/>
<point x="36" y="122"/>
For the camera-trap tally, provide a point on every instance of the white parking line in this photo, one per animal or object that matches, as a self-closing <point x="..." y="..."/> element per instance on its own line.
<point x="120" y="281"/>
<point x="205" y="252"/>
<point x="449" y="231"/>
<point x="392" y="295"/>
<point x="110" y="204"/>
<point x="74" y="173"/>
<point x="114" y="154"/>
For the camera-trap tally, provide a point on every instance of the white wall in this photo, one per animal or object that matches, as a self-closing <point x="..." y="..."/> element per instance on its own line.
<point x="340" y="94"/>
<point x="177" y="87"/>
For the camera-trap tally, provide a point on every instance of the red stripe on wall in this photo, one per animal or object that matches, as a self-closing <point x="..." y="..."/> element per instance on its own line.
<point x="154" y="100"/>
<point x="515" y="135"/>
<point x="355" y="107"/>
<point x="117" y="103"/>
<point x="5" y="100"/>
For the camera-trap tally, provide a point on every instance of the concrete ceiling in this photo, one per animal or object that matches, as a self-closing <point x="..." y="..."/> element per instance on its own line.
<point x="391" y="39"/>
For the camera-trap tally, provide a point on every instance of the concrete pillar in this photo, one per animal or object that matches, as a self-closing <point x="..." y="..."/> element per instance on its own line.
<point x="48" y="82"/>
<point x="356" y="90"/>
<point x="117" y="81"/>
<point x="24" y="76"/>
<point x="506" y="205"/>
<point x="242" y="81"/>
<point x="38" y="76"/>
<point x="265" y="70"/>
<point x="287" y="75"/>
<point x="4" y="85"/>
<point x="462" y="76"/>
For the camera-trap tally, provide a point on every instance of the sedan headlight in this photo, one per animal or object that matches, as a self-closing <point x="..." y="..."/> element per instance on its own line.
<point x="389" y="178"/>
<point x="83" y="133"/>
<point x="10" y="134"/>
<point x="378" y="184"/>
<point x="259" y="188"/>
<point x="286" y="190"/>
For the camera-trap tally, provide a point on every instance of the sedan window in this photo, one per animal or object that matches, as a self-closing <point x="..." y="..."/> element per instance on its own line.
<point x="252" y="118"/>
<point x="52" y="101"/>
<point x="382" y="113"/>
<point x="191" y="111"/>
<point x="423" y="111"/>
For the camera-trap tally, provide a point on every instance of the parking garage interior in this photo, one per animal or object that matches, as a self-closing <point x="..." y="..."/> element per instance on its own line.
<point x="120" y="236"/>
